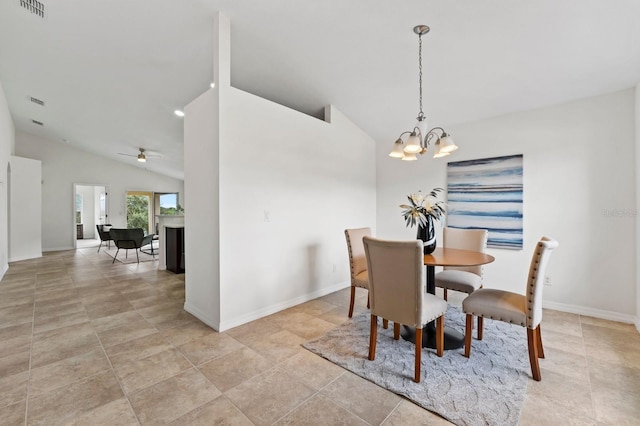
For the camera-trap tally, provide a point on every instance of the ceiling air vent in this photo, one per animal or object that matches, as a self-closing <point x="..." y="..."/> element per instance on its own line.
<point x="39" y="123"/>
<point x="33" y="6"/>
<point x="37" y="101"/>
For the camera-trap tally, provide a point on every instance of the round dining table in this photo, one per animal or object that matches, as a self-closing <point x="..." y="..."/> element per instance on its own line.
<point x="441" y="256"/>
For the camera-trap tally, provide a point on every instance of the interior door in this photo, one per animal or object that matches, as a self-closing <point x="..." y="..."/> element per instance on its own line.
<point x="102" y="200"/>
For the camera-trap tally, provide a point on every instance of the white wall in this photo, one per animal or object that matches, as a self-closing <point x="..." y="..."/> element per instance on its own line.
<point x="289" y="184"/>
<point x="25" y="209"/>
<point x="579" y="161"/>
<point x="7" y="142"/>
<point x="305" y="181"/>
<point x="63" y="166"/>
<point x="637" y="183"/>
<point x="202" y="219"/>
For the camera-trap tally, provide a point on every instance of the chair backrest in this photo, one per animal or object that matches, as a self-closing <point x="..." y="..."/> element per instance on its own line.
<point x="466" y="239"/>
<point x="127" y="238"/>
<point x="104" y="235"/>
<point x="535" y="283"/>
<point x="396" y="279"/>
<point x="357" y="258"/>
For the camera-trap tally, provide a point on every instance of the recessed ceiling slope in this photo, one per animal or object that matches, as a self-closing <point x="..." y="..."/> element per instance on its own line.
<point x="113" y="73"/>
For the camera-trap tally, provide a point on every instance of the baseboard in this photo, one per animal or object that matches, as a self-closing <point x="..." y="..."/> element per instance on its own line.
<point x="591" y="312"/>
<point x="202" y="316"/>
<point x="252" y="316"/>
<point x="5" y="268"/>
<point x="65" y="248"/>
<point x="18" y="259"/>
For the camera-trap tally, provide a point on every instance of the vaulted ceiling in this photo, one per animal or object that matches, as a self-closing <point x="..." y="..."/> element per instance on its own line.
<point x="111" y="73"/>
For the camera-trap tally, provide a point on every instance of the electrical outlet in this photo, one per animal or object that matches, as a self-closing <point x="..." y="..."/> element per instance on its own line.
<point x="547" y="280"/>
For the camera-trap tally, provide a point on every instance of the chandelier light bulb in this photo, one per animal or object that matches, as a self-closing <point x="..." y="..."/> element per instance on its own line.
<point x="397" y="151"/>
<point x="409" y="157"/>
<point x="413" y="144"/>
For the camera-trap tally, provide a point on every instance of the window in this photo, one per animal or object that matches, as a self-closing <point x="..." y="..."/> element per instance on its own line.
<point x="138" y="210"/>
<point x="168" y="203"/>
<point x="143" y="207"/>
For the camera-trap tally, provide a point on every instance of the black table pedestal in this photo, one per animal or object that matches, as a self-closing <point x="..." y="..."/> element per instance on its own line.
<point x="453" y="339"/>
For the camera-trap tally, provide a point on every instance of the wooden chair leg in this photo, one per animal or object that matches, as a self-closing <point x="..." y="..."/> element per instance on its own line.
<point x="353" y="297"/>
<point x="480" y="327"/>
<point x="445" y="294"/>
<point x="396" y="330"/>
<point x="373" y="337"/>
<point x="385" y="323"/>
<point x="540" y="348"/>
<point x="440" y="335"/>
<point x="418" y="354"/>
<point x="467" y="335"/>
<point x="532" y="342"/>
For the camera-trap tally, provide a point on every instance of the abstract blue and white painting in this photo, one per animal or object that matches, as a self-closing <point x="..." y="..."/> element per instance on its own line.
<point x="487" y="194"/>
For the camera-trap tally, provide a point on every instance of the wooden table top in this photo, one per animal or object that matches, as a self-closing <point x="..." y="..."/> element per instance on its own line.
<point x="456" y="257"/>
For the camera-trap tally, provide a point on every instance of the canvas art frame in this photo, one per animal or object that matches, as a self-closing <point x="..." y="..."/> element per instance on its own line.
<point x="487" y="193"/>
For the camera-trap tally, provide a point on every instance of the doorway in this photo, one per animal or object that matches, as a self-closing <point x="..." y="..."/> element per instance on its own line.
<point x="90" y="208"/>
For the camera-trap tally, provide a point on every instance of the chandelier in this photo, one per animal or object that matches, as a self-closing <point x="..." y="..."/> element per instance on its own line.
<point x="420" y="138"/>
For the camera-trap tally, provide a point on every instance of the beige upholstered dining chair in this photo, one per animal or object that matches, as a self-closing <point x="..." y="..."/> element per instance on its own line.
<point x="464" y="279"/>
<point x="524" y="310"/>
<point x="357" y="262"/>
<point x="397" y="293"/>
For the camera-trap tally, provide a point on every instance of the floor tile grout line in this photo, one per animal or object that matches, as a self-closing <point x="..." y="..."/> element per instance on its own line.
<point x="345" y="372"/>
<point x="113" y="371"/>
<point x="393" y="411"/>
<point x="173" y="346"/>
<point x="33" y="327"/>
<point x="586" y="358"/>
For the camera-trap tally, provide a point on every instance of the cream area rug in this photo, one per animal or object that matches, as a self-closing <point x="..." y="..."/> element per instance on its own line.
<point x="130" y="257"/>
<point x="486" y="389"/>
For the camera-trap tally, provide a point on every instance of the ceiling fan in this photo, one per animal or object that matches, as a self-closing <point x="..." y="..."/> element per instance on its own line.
<point x="143" y="155"/>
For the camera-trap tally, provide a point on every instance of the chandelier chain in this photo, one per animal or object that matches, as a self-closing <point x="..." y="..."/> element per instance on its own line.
<point x="420" y="70"/>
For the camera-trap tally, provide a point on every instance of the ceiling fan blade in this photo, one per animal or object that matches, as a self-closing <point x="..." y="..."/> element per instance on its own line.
<point x="128" y="155"/>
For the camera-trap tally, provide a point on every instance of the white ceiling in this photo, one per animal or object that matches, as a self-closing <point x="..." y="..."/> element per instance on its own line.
<point x="112" y="72"/>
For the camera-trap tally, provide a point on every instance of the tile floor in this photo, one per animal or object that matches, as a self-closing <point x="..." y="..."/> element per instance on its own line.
<point x="83" y="341"/>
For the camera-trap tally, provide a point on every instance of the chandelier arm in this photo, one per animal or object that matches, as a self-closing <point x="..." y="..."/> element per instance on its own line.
<point x="407" y="132"/>
<point x="431" y="133"/>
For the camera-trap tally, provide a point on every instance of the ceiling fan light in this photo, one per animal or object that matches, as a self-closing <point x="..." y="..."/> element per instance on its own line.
<point x="447" y="144"/>
<point x="413" y="144"/>
<point x="142" y="158"/>
<point x="397" y="151"/>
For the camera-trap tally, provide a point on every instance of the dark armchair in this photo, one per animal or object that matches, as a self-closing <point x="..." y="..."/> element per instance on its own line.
<point x="129" y="239"/>
<point x="105" y="236"/>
